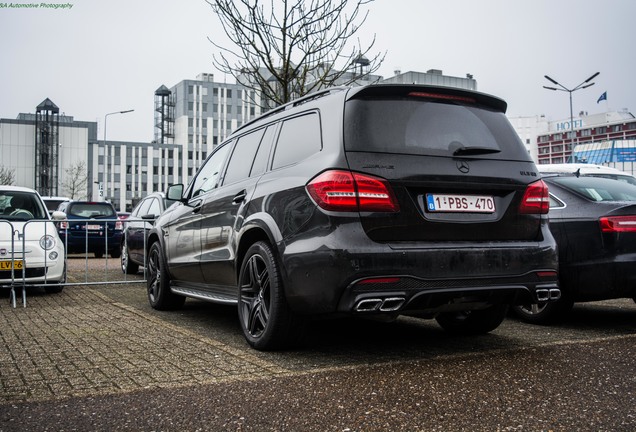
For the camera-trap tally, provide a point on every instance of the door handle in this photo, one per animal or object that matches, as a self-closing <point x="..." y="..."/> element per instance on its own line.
<point x="239" y="197"/>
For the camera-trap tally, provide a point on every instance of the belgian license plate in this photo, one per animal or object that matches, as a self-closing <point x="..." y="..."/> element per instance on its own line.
<point x="7" y="265"/>
<point x="93" y="227"/>
<point x="460" y="203"/>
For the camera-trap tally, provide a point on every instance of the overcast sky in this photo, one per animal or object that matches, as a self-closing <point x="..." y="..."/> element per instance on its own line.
<point x="103" y="56"/>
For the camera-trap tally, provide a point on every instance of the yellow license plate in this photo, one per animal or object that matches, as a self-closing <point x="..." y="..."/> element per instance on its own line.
<point x="7" y="265"/>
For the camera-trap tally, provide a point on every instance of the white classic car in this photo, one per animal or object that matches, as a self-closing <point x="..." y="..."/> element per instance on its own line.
<point x="31" y="252"/>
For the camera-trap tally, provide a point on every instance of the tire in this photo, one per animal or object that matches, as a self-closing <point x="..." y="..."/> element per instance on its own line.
<point x="159" y="295"/>
<point x="265" y="317"/>
<point x="127" y="266"/>
<point x="99" y="254"/>
<point x="56" y="289"/>
<point x="115" y="253"/>
<point x="544" y="313"/>
<point x="473" y="322"/>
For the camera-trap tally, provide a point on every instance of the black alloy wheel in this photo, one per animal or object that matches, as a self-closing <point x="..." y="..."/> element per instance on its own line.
<point x="546" y="312"/>
<point x="265" y="318"/>
<point x="159" y="295"/>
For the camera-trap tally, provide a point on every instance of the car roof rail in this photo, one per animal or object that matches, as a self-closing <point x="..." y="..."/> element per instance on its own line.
<point x="294" y="103"/>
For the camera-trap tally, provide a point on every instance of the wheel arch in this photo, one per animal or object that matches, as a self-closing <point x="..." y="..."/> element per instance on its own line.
<point x="257" y="227"/>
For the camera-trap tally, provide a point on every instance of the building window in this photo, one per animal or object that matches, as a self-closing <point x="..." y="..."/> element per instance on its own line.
<point x="190" y="89"/>
<point x="190" y="122"/>
<point x="204" y="107"/>
<point x="601" y="130"/>
<point x="190" y="106"/>
<point x="586" y="132"/>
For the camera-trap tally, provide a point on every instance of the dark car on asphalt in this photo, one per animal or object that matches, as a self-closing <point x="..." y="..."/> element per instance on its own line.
<point x="91" y="227"/>
<point x="373" y="201"/>
<point x="594" y="223"/>
<point x="136" y="228"/>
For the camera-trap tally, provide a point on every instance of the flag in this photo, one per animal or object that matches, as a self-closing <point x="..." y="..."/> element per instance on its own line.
<point x="602" y="97"/>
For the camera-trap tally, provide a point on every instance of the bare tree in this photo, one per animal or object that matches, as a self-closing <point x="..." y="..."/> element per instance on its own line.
<point x="76" y="180"/>
<point x="7" y="176"/>
<point x="288" y="48"/>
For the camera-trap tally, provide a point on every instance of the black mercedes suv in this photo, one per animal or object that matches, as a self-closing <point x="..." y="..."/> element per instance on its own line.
<point x="382" y="200"/>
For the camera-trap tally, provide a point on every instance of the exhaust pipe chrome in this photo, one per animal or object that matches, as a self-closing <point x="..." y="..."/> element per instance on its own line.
<point x="392" y="304"/>
<point x="555" y="294"/>
<point x="368" y="305"/>
<point x="543" y="295"/>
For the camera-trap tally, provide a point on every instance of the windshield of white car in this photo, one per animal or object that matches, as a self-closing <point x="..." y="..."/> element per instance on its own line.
<point x="21" y="206"/>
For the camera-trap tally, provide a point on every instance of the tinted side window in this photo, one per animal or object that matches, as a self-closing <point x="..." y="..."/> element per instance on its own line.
<point x="210" y="173"/>
<point x="155" y="207"/>
<point x="260" y="162"/>
<point x="143" y="208"/>
<point x="243" y="156"/>
<point x="299" y="137"/>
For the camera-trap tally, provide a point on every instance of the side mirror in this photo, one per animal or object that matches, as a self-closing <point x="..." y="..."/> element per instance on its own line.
<point x="175" y="192"/>
<point x="58" y="215"/>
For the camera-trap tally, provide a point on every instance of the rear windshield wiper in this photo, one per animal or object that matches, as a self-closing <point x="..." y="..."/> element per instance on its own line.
<point x="459" y="149"/>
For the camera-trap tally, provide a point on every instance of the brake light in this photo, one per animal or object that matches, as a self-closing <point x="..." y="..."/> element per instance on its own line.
<point x="618" y="224"/>
<point x="340" y="190"/>
<point x="443" y="96"/>
<point x="536" y="199"/>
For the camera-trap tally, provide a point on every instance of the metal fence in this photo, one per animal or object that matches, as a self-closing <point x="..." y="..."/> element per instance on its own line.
<point x="55" y="254"/>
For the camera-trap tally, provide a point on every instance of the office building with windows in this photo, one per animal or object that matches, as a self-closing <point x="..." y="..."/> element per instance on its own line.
<point x="607" y="138"/>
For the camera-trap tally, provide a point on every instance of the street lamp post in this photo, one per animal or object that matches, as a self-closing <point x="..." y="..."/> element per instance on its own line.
<point x="105" y="160"/>
<point x="584" y="84"/>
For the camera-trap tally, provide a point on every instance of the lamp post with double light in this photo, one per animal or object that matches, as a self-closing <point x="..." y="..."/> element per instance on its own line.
<point x="584" y="84"/>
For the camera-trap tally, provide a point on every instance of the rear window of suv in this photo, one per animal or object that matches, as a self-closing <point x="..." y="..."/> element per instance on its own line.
<point x="425" y="127"/>
<point x="91" y="210"/>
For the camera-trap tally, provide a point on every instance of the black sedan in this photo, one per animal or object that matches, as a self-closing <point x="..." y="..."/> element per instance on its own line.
<point x="137" y="225"/>
<point x="594" y="223"/>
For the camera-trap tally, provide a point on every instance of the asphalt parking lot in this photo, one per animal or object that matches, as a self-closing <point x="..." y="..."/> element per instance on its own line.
<point x="97" y="357"/>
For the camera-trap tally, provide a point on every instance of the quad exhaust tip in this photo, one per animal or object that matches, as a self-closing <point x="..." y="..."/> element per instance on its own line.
<point x="389" y="304"/>
<point x="544" y="295"/>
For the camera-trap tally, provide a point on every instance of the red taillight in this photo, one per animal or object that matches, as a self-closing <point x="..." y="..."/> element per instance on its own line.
<point x="618" y="224"/>
<point x="536" y="199"/>
<point x="346" y="191"/>
<point x="64" y="225"/>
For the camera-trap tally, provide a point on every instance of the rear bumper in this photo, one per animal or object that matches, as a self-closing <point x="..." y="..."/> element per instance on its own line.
<point x="332" y="277"/>
<point x="77" y="243"/>
<point x="612" y="277"/>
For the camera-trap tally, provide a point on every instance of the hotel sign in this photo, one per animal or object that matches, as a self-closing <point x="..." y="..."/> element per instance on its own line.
<point x="565" y="126"/>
